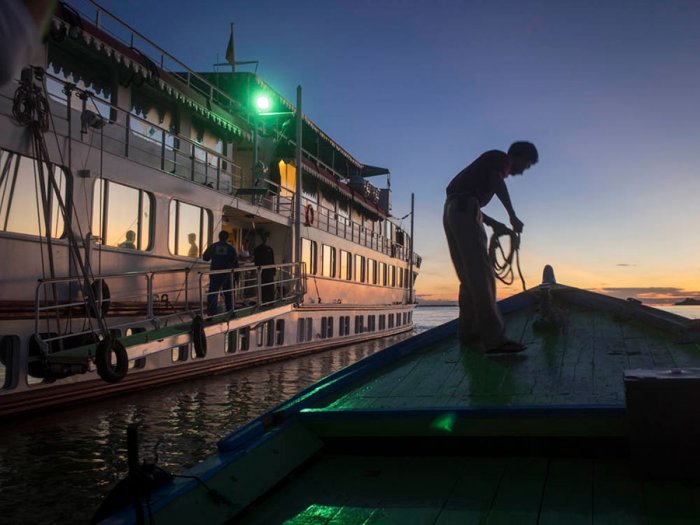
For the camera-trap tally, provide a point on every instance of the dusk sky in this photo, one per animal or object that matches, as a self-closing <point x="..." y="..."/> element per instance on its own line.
<point x="609" y="91"/>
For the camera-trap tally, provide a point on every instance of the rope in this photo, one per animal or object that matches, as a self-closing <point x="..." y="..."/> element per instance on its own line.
<point x="502" y="263"/>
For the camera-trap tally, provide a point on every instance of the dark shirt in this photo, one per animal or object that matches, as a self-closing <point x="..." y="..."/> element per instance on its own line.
<point x="222" y="256"/>
<point x="482" y="178"/>
<point x="263" y="255"/>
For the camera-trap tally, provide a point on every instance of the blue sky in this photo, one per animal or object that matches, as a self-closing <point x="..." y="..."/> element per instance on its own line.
<point x="608" y="91"/>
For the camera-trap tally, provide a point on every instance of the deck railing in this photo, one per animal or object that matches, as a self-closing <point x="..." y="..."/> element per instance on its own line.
<point x="151" y="299"/>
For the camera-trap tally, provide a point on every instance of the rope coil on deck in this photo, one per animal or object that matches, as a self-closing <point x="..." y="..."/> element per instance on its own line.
<point x="502" y="263"/>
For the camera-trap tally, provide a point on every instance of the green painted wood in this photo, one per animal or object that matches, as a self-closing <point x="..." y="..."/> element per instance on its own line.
<point x="568" y="493"/>
<point x="519" y="492"/>
<point x="617" y="494"/>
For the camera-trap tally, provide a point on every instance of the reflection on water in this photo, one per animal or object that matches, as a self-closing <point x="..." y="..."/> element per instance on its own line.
<point x="56" y="468"/>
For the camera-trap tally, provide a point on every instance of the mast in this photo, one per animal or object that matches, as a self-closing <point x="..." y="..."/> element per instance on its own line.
<point x="297" y="203"/>
<point x="410" y="255"/>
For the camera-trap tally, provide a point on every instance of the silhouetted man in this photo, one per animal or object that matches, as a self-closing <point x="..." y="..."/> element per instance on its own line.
<point x="263" y="256"/>
<point x="471" y="190"/>
<point x="223" y="257"/>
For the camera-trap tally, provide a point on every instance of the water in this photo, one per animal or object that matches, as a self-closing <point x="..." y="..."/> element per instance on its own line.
<point x="56" y="468"/>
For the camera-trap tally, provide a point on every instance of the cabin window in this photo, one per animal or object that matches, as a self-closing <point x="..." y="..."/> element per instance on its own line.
<point x="179" y="353"/>
<point x="344" y="325"/>
<point x="391" y="320"/>
<point x="345" y="265"/>
<point x="328" y="258"/>
<point x="24" y="195"/>
<point x="244" y="339"/>
<point x="326" y="327"/>
<point x="305" y="329"/>
<point x="231" y="342"/>
<point x="371" y="271"/>
<point x="279" y="332"/>
<point x="188" y="226"/>
<point x="141" y="361"/>
<point x="309" y="255"/>
<point x="371" y="323"/>
<point x="382" y="322"/>
<point x="381" y="278"/>
<point x="359" y="323"/>
<point x="392" y="275"/>
<point x="360" y="276"/>
<point x="9" y="359"/>
<point x="265" y="333"/>
<point x="121" y="215"/>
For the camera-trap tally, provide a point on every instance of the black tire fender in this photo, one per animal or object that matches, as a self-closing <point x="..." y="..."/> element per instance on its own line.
<point x="111" y="373"/>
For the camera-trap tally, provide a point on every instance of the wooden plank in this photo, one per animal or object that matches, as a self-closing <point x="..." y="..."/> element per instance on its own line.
<point x="568" y="493"/>
<point x="617" y="495"/>
<point x="472" y="496"/>
<point x="519" y="492"/>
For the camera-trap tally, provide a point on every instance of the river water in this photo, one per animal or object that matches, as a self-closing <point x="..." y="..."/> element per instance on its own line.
<point x="56" y="468"/>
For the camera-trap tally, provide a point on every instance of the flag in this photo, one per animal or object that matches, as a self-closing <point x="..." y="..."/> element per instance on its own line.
<point x="229" y="48"/>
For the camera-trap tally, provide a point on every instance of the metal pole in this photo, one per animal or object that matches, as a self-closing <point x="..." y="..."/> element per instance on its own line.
<point x="297" y="203"/>
<point x="410" y="255"/>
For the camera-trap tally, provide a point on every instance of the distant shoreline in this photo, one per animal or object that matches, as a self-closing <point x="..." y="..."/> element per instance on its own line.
<point x="419" y="305"/>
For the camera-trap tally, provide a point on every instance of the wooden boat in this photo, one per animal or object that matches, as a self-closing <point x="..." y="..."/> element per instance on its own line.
<point x="119" y="165"/>
<point x="597" y="422"/>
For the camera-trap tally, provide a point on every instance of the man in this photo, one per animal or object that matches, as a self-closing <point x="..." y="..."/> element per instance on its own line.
<point x="264" y="256"/>
<point x="471" y="190"/>
<point x="223" y="257"/>
<point x="130" y="241"/>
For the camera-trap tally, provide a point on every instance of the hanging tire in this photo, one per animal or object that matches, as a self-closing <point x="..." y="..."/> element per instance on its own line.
<point x="111" y="373"/>
<point x="102" y="295"/>
<point x="199" y="338"/>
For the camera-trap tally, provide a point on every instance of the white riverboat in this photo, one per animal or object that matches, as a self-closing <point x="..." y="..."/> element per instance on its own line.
<point x="119" y="165"/>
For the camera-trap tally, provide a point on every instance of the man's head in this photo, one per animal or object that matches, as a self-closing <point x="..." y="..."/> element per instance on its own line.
<point x="223" y="235"/>
<point x="130" y="235"/>
<point x="522" y="155"/>
<point x="191" y="237"/>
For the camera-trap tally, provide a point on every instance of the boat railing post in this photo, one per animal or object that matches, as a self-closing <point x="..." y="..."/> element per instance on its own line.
<point x="218" y="172"/>
<point x="258" y="288"/>
<point x="162" y="150"/>
<point x="126" y="135"/>
<point x="149" y="293"/>
<point x="202" y="296"/>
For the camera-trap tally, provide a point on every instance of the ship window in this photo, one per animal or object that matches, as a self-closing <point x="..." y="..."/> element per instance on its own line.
<point x="188" y="226"/>
<point x="371" y="271"/>
<point x="382" y="274"/>
<point x="305" y="329"/>
<point x="141" y="361"/>
<point x="23" y="195"/>
<point x="9" y="359"/>
<point x="308" y="256"/>
<point x="328" y="258"/>
<point x="244" y="339"/>
<point x="345" y="265"/>
<point x="360" y="276"/>
<point x="121" y="215"/>
<point x="382" y="322"/>
<point x="371" y="323"/>
<point x="392" y="275"/>
<point x="359" y="323"/>
<point x="391" y="320"/>
<point x="179" y="353"/>
<point x="231" y="342"/>
<point x="326" y="327"/>
<point x="279" y="332"/>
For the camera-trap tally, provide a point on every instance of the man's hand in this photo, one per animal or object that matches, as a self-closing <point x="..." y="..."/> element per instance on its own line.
<point x="517" y="224"/>
<point x="499" y="228"/>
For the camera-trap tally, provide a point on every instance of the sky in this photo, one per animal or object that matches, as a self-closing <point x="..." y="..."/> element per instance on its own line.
<point x="609" y="92"/>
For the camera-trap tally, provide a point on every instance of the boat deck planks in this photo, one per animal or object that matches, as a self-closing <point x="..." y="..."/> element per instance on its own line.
<point x="445" y="490"/>
<point x="582" y="364"/>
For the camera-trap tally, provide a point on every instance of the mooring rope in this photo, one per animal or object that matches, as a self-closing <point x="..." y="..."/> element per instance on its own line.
<point x="502" y="263"/>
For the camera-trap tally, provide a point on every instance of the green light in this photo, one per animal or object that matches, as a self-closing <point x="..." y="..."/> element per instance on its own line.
<point x="445" y="422"/>
<point x="262" y="102"/>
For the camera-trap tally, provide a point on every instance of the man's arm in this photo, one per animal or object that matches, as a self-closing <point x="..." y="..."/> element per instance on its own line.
<point x="504" y="197"/>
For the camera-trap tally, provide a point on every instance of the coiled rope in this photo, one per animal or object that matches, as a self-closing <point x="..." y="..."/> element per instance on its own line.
<point x="502" y="263"/>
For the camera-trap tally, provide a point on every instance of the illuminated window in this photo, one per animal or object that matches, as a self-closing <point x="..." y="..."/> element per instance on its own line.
<point x="25" y="196"/>
<point x="309" y="256"/>
<point x="382" y="274"/>
<point x="360" y="276"/>
<point x="392" y="275"/>
<point x="328" y="261"/>
<point x="121" y="215"/>
<point x="371" y="271"/>
<point x="345" y="265"/>
<point x="188" y="225"/>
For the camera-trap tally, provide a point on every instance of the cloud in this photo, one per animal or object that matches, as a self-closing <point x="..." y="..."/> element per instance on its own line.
<point x="626" y="265"/>
<point x="651" y="294"/>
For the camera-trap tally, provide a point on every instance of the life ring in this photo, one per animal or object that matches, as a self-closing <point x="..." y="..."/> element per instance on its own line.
<point x="309" y="215"/>
<point x="101" y="293"/>
<point x="111" y="373"/>
<point x="199" y="338"/>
